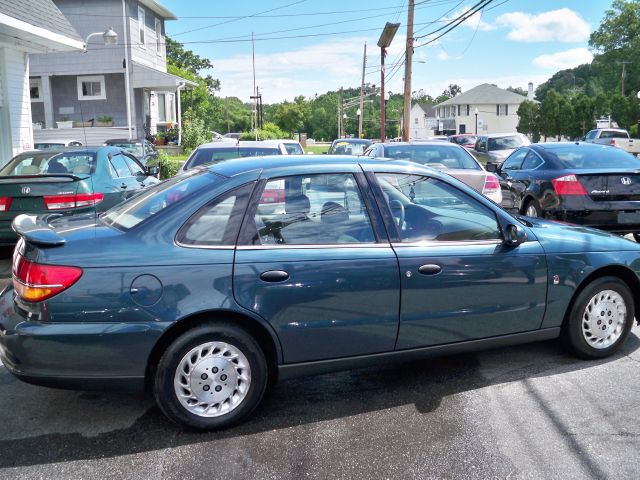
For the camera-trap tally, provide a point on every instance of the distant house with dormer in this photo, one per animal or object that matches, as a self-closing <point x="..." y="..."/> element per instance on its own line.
<point x="110" y="91"/>
<point x="26" y="27"/>
<point x="495" y="110"/>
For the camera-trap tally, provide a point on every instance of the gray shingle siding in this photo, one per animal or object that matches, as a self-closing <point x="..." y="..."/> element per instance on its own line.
<point x="39" y="13"/>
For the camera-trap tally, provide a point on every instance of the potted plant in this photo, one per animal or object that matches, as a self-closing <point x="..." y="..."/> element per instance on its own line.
<point x="36" y="125"/>
<point x="65" y="123"/>
<point x="104" y="121"/>
<point x="159" y="139"/>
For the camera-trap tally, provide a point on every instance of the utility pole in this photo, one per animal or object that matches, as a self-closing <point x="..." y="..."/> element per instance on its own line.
<point x="364" y="66"/>
<point x="624" y="73"/>
<point x="386" y="37"/>
<point x="258" y="100"/>
<point x="406" y="112"/>
<point x="340" y="110"/>
<point x="254" y="96"/>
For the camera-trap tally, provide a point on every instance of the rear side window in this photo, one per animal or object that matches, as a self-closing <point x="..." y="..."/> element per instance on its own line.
<point x="131" y="212"/>
<point x="218" y="223"/>
<point x="532" y="161"/>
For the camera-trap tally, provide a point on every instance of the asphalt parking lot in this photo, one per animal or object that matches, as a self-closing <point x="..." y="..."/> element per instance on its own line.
<point x="522" y="412"/>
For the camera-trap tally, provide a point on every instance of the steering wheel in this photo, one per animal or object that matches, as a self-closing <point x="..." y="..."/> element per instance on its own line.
<point x="397" y="211"/>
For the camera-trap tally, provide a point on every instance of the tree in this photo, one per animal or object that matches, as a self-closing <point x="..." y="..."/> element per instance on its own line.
<point x="601" y="105"/>
<point x="620" y="110"/>
<point x="528" y="113"/>
<point x="549" y="112"/>
<point x="451" y="91"/>
<point x="565" y="117"/>
<point x="290" y="117"/>
<point x="518" y="90"/>
<point x="582" y="115"/>
<point x="421" y="97"/>
<point x="185" y="59"/>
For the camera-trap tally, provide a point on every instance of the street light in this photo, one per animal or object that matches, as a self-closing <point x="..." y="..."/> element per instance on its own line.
<point x="109" y="37"/>
<point x="358" y="113"/>
<point x="437" y="124"/>
<point x="475" y="111"/>
<point x="385" y="40"/>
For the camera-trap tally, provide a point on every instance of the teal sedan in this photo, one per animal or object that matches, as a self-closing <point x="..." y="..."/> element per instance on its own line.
<point x="67" y="182"/>
<point x="204" y="292"/>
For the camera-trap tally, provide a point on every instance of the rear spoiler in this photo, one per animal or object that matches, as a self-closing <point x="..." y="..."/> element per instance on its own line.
<point x="35" y="229"/>
<point x="69" y="177"/>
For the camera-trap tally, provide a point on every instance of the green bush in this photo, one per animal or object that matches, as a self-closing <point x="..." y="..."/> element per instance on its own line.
<point x="270" y="131"/>
<point x="194" y="133"/>
<point x="169" y="165"/>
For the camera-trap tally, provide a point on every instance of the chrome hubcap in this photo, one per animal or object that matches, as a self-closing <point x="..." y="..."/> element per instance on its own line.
<point x="212" y="379"/>
<point x="531" y="211"/>
<point x="603" y="319"/>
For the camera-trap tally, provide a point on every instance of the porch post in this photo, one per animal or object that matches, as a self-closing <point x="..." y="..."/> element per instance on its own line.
<point x="47" y="100"/>
<point x="179" y="111"/>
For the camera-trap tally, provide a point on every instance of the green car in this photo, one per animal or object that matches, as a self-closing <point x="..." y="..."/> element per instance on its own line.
<point x="68" y="182"/>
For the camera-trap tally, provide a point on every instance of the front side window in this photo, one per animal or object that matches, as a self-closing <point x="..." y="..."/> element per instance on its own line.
<point x="135" y="168"/>
<point x="91" y="88"/>
<point x="120" y="166"/>
<point x="218" y="223"/>
<point x="322" y="209"/>
<point x="428" y="209"/>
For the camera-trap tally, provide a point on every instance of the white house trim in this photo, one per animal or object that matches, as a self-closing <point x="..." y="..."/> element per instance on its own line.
<point x="92" y="79"/>
<point x="51" y="40"/>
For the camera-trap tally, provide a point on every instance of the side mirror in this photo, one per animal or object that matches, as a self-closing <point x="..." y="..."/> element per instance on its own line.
<point x="491" y="167"/>
<point x="514" y="235"/>
<point x="153" y="171"/>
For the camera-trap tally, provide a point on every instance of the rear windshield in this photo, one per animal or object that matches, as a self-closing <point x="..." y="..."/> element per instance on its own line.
<point x="438" y="156"/>
<point x="135" y="148"/>
<point x="215" y="155"/>
<point x="348" y="148"/>
<point x="597" y="157"/>
<point x="48" y="164"/>
<point x="464" y="140"/>
<point x="506" y="143"/>
<point x="613" y="134"/>
<point x="130" y="213"/>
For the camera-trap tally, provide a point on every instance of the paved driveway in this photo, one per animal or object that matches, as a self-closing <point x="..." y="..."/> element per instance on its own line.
<point x="525" y="412"/>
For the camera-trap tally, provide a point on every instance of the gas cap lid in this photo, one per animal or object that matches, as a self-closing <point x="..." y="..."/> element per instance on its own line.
<point x="146" y="290"/>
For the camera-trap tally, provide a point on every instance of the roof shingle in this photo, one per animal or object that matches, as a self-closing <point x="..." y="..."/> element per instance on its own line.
<point x="39" y="13"/>
<point x="484" y="94"/>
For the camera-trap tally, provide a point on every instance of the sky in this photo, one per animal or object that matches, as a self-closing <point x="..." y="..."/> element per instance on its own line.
<point x="309" y="47"/>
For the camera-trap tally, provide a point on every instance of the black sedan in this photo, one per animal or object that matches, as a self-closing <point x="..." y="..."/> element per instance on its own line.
<point x="587" y="184"/>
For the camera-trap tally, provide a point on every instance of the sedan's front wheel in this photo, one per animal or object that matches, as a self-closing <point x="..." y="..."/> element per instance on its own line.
<point x="212" y="376"/>
<point x="600" y="319"/>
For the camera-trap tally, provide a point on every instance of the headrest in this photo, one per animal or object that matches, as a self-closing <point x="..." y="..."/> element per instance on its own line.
<point x="333" y="212"/>
<point x="297" y="204"/>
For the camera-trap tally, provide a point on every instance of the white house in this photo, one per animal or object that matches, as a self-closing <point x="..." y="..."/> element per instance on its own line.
<point x="423" y="121"/>
<point x="33" y="26"/>
<point x="483" y="109"/>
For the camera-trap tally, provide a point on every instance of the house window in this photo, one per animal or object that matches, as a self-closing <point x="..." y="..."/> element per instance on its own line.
<point x="502" y="109"/>
<point x="416" y="120"/>
<point x="35" y="89"/>
<point x="91" y="88"/>
<point x="162" y="108"/>
<point x="468" y="109"/>
<point x="141" y="21"/>
<point x="453" y="111"/>
<point x="158" y="36"/>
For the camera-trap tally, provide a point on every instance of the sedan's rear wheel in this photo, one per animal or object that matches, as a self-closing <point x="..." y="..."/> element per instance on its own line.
<point x="533" y="209"/>
<point x="601" y="318"/>
<point x="210" y="377"/>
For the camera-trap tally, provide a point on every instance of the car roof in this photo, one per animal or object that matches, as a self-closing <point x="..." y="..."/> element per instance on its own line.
<point x="496" y="135"/>
<point x="568" y="145"/>
<point x="353" y="140"/>
<point x="431" y="143"/>
<point x="123" y="140"/>
<point x="236" y="166"/>
<point x="242" y="143"/>
<point x="57" y="140"/>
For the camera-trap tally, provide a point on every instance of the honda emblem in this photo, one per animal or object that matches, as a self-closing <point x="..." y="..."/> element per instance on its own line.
<point x="26" y="190"/>
<point x="625" y="181"/>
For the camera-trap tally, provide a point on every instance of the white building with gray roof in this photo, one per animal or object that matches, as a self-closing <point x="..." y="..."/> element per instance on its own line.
<point x="495" y="110"/>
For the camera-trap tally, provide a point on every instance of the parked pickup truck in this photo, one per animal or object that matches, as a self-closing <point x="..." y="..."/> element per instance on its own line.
<point x="615" y="137"/>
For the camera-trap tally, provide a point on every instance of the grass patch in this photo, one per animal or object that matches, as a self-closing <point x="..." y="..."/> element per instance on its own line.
<point x="317" y="149"/>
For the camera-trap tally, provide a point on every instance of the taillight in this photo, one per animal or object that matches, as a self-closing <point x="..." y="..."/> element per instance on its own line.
<point x="272" y="196"/>
<point x="59" y="202"/>
<point x="612" y="142"/>
<point x="568" y="185"/>
<point x="34" y="282"/>
<point x="491" y="184"/>
<point x="5" y="204"/>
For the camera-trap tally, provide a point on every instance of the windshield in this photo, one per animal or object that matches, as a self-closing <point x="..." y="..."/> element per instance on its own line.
<point x="597" y="157"/>
<point x="348" y="148"/>
<point x="507" y="143"/>
<point x="48" y="164"/>
<point x="130" y="213"/>
<point x="293" y="149"/>
<point x="470" y="140"/>
<point x="135" y="148"/>
<point x="439" y="156"/>
<point x="215" y="155"/>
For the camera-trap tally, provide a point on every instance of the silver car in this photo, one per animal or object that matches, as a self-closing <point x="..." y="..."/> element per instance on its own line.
<point x="448" y="157"/>
<point x="496" y="147"/>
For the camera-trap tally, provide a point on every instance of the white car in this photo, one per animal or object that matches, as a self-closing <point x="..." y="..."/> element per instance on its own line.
<point x="53" y="144"/>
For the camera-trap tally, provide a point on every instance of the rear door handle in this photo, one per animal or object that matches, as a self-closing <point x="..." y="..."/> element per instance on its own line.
<point x="123" y="186"/>
<point x="274" y="276"/>
<point x="430" y="269"/>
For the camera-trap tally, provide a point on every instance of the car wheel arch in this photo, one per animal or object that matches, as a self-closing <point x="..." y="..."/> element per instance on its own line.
<point x="621" y="272"/>
<point x="526" y="199"/>
<point x="265" y="338"/>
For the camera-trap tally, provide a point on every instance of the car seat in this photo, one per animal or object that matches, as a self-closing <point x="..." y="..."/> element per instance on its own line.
<point x="334" y="219"/>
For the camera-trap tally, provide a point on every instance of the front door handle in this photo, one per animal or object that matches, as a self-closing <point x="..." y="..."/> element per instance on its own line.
<point x="274" y="276"/>
<point x="123" y="186"/>
<point x="430" y="269"/>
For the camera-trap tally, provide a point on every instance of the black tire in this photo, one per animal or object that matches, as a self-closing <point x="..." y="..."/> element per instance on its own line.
<point x="636" y="237"/>
<point x="533" y="204"/>
<point x="572" y="333"/>
<point x="232" y="335"/>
